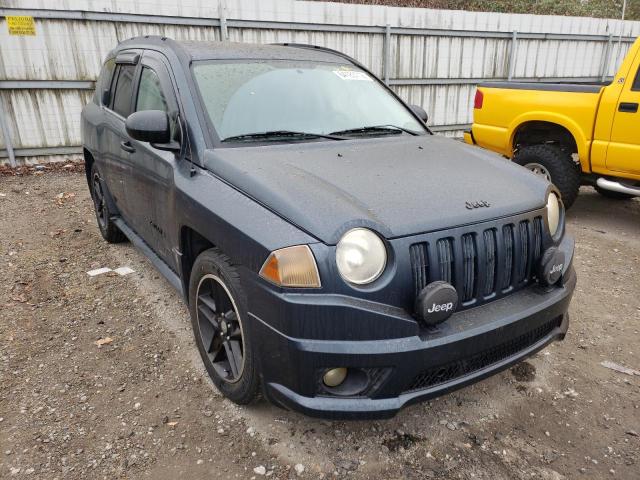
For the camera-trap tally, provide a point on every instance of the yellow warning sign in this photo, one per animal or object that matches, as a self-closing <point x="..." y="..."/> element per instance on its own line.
<point x="21" y="25"/>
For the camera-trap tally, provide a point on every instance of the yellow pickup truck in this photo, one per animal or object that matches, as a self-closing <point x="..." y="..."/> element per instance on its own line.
<point x="573" y="134"/>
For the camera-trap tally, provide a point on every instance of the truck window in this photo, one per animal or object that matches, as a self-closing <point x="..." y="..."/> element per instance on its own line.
<point x="122" y="98"/>
<point x="150" y="94"/>
<point x="636" y="83"/>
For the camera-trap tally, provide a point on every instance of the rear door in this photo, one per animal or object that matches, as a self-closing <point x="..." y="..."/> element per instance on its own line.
<point x="115" y="141"/>
<point x="150" y="185"/>
<point x="623" y="154"/>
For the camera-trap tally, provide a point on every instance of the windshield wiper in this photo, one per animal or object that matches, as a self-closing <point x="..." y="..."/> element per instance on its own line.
<point x="385" y="129"/>
<point x="273" y="134"/>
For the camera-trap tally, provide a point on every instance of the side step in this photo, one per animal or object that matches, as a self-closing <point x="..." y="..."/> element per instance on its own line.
<point x="617" y="187"/>
<point x="157" y="262"/>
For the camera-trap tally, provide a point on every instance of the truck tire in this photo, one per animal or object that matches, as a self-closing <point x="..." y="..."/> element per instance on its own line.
<point x="222" y="329"/>
<point x="614" y="195"/>
<point x="557" y="165"/>
<point x="108" y="229"/>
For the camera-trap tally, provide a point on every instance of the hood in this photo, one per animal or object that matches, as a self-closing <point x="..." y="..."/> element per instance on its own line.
<point x="398" y="186"/>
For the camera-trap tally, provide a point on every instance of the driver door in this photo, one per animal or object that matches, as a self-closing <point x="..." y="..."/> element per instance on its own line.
<point x="623" y="154"/>
<point x="150" y="185"/>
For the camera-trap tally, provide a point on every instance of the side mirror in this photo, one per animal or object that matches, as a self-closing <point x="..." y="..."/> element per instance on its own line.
<point x="104" y="99"/>
<point x="151" y="126"/>
<point x="419" y="111"/>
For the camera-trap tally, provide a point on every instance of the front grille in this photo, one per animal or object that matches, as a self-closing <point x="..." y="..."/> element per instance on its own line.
<point x="482" y="263"/>
<point x="466" y="366"/>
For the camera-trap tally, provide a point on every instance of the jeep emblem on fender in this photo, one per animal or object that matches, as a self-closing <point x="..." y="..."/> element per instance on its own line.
<point x="436" y="302"/>
<point x="480" y="204"/>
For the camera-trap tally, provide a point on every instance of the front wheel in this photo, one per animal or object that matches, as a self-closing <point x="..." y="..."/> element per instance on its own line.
<point x="555" y="165"/>
<point x="217" y="304"/>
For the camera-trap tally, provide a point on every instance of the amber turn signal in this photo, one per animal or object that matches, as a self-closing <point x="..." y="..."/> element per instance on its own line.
<point x="292" y="267"/>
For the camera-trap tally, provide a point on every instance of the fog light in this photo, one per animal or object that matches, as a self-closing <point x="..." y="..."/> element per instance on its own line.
<point x="334" y="377"/>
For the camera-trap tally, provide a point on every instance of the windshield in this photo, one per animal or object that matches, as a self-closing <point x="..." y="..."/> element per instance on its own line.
<point x="249" y="97"/>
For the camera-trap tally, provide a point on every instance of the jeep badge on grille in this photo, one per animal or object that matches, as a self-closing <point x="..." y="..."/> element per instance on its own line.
<point x="436" y="302"/>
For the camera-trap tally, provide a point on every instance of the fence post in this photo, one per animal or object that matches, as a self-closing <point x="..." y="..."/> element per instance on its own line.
<point x="387" y="53"/>
<point x="607" y="58"/>
<point x="512" y="56"/>
<point x="222" y="11"/>
<point x="5" y="133"/>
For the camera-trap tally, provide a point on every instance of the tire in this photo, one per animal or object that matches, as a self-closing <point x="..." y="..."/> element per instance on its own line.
<point x="563" y="172"/>
<point x="108" y="229"/>
<point x="614" y="195"/>
<point x="215" y="291"/>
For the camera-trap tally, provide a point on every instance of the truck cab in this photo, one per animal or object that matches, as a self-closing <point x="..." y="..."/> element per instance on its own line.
<point x="571" y="133"/>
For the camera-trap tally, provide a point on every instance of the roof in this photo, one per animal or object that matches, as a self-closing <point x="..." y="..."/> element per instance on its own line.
<point x="212" y="50"/>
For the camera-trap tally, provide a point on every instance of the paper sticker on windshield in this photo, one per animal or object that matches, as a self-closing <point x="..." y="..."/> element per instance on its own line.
<point x="353" y="75"/>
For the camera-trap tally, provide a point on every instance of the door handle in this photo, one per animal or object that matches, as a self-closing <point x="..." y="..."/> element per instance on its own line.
<point x="126" y="146"/>
<point x="628" y="107"/>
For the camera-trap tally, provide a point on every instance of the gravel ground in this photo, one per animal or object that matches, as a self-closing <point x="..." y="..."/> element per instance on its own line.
<point x="140" y="405"/>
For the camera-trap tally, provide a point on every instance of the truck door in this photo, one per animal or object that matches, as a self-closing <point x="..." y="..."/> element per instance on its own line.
<point x="623" y="154"/>
<point x="150" y="184"/>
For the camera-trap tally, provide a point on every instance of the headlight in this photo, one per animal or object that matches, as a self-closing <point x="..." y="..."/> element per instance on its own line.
<point x="553" y="213"/>
<point x="361" y="256"/>
<point x="292" y="267"/>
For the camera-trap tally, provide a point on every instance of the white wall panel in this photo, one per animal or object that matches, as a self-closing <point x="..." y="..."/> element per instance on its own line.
<point x="74" y="49"/>
<point x="44" y="118"/>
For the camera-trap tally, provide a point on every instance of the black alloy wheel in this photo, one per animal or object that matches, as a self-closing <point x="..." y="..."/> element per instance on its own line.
<point x="99" y="201"/>
<point x="220" y="329"/>
<point x="110" y="232"/>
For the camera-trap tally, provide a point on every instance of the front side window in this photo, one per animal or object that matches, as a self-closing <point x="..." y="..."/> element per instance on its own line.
<point x="150" y="94"/>
<point x="104" y="81"/>
<point x="122" y="96"/>
<point x="636" y="83"/>
<point x="247" y="97"/>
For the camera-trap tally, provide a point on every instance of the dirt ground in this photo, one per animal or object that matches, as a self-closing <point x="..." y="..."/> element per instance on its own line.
<point x="142" y="406"/>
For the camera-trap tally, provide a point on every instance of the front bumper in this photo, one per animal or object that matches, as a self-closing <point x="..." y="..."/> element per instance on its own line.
<point x="471" y="345"/>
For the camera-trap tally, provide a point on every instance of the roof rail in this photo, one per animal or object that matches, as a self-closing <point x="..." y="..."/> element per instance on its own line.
<point x="323" y="49"/>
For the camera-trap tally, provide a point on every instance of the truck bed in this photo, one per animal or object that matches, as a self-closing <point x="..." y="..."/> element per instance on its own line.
<point x="548" y="87"/>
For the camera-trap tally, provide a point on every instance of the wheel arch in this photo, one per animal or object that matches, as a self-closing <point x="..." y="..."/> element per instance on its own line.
<point x="88" y="163"/>
<point x="192" y="244"/>
<point x="533" y="129"/>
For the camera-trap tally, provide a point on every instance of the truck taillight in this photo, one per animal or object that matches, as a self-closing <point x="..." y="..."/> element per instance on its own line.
<point x="477" y="103"/>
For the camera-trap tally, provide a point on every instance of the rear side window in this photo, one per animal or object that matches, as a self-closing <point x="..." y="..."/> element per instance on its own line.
<point x="122" y="97"/>
<point x="104" y="80"/>
<point x="636" y="83"/>
<point x="150" y="94"/>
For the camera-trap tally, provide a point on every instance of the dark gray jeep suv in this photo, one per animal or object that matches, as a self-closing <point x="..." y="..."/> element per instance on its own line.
<point x="334" y="254"/>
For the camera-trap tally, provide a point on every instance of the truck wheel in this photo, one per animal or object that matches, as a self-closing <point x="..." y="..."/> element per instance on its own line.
<point x="109" y="231"/>
<point x="217" y="304"/>
<point x="613" y="195"/>
<point x="556" y="165"/>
